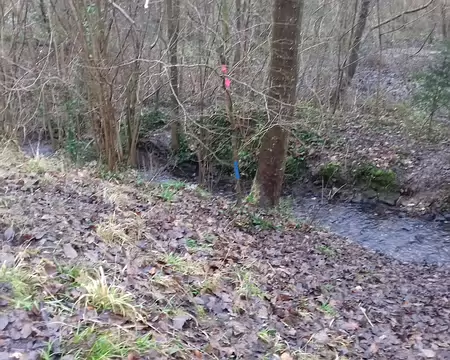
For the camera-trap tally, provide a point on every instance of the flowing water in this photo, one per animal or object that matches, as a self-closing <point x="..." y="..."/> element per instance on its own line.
<point x="403" y="238"/>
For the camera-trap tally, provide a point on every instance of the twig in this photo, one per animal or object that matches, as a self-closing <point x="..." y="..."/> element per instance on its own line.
<point x="122" y="11"/>
<point x="406" y="12"/>
<point x="365" y="315"/>
<point x="426" y="39"/>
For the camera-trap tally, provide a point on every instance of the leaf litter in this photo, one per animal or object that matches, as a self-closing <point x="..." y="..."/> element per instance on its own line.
<point x="190" y="279"/>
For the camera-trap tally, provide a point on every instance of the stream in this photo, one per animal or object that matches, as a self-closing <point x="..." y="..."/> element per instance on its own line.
<point x="403" y="238"/>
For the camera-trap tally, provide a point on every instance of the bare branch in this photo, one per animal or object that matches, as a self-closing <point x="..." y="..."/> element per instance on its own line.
<point x="122" y="11"/>
<point x="406" y="12"/>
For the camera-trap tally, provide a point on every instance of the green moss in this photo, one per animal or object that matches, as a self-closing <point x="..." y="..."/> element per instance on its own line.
<point x="331" y="172"/>
<point x="375" y="178"/>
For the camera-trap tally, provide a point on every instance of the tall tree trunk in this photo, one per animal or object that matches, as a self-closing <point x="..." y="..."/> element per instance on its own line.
<point x="353" y="57"/>
<point x="282" y="94"/>
<point x="173" y="30"/>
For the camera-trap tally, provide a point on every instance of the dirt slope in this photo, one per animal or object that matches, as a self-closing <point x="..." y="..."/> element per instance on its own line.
<point x="97" y="269"/>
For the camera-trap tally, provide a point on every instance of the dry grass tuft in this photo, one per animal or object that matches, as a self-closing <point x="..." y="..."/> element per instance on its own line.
<point x="111" y="232"/>
<point x="116" y="196"/>
<point x="104" y="296"/>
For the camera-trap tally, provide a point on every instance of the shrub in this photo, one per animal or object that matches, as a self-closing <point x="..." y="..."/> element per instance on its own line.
<point x="433" y="85"/>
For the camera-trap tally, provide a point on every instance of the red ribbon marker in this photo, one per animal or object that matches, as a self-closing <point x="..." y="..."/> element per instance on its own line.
<point x="227" y="79"/>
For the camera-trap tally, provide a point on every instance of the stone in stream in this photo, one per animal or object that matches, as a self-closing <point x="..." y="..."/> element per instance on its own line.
<point x="389" y="198"/>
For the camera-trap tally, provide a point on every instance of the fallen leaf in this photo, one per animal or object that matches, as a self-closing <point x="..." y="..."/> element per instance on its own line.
<point x="69" y="251"/>
<point x="198" y="354"/>
<point x="133" y="356"/>
<point x="9" y="234"/>
<point x="428" y="353"/>
<point x="7" y="259"/>
<point x="26" y="331"/>
<point x="179" y="321"/>
<point x="321" y="337"/>
<point x="374" y="348"/>
<point x="3" y="322"/>
<point x="286" y="356"/>
<point x="350" y="326"/>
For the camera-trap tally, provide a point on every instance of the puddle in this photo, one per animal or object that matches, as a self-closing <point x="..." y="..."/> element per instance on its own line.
<point x="405" y="239"/>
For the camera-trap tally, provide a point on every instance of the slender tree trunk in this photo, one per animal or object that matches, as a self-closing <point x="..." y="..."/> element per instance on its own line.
<point x="283" y="76"/>
<point x="226" y="84"/>
<point x="173" y="29"/>
<point x="353" y="58"/>
<point x="444" y="22"/>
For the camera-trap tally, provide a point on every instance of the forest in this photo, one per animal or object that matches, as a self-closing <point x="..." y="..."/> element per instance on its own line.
<point x="224" y="179"/>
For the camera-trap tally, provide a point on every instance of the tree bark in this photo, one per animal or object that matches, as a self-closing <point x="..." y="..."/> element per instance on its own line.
<point x="444" y="22"/>
<point x="283" y="74"/>
<point x="173" y="30"/>
<point x="353" y="57"/>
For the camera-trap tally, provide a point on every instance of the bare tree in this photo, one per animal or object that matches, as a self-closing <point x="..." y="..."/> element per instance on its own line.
<point x="173" y="29"/>
<point x="351" y="63"/>
<point x="281" y="100"/>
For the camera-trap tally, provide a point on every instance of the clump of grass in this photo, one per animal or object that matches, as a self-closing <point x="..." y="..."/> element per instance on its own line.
<point x="246" y="285"/>
<point x="24" y="284"/>
<point x="328" y="309"/>
<point x="111" y="232"/>
<point x="115" y="196"/>
<point x="261" y="223"/>
<point x="273" y="339"/>
<point x="10" y="153"/>
<point x="267" y="335"/>
<point x="106" y="297"/>
<point x="182" y="264"/>
<point x="326" y="250"/>
<point x="193" y="245"/>
<point x="211" y="283"/>
<point x="330" y="172"/>
<point x="174" y="184"/>
<point x="42" y="165"/>
<point x="69" y="274"/>
<point x="169" y="189"/>
<point x="107" y="346"/>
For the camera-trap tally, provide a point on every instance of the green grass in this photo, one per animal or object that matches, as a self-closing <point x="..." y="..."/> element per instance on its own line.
<point x="169" y="189"/>
<point x="246" y="285"/>
<point x="328" y="309"/>
<point x="267" y="335"/>
<point x="260" y="223"/>
<point x="24" y="283"/>
<point x="193" y="245"/>
<point x="182" y="265"/>
<point x="326" y="250"/>
<point x="107" y="347"/>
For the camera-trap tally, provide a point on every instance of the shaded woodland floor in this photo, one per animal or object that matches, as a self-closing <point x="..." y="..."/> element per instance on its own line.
<point x="123" y="269"/>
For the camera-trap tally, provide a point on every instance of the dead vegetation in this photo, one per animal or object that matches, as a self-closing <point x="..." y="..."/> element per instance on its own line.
<point x="89" y="278"/>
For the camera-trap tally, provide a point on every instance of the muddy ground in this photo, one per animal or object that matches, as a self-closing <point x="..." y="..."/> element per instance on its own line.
<point x="121" y="269"/>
